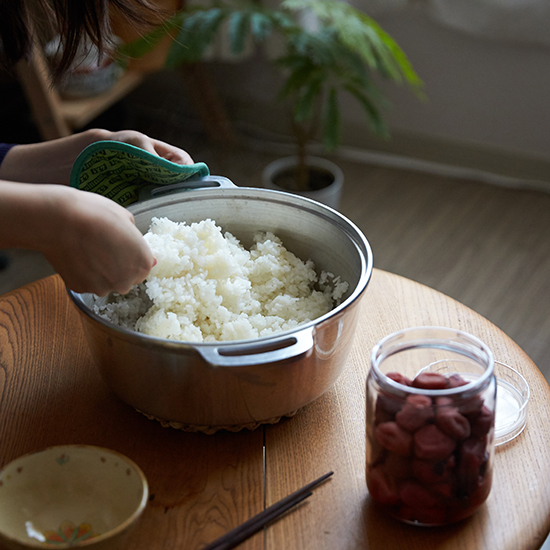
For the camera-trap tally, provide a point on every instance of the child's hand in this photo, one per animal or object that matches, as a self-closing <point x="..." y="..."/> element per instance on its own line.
<point x="154" y="146"/>
<point x="94" y="244"/>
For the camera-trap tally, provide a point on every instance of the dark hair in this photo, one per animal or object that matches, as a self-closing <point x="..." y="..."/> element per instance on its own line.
<point x="24" y="21"/>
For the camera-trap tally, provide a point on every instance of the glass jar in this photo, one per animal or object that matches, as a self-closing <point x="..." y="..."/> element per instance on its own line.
<point x="431" y="401"/>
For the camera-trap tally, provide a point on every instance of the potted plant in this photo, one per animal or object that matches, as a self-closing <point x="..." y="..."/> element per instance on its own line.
<point x="326" y="48"/>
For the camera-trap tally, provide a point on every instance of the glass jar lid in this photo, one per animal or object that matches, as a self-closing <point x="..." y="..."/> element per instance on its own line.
<point x="511" y="407"/>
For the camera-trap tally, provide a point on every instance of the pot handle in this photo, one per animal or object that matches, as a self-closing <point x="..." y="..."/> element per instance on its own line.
<point x="286" y="347"/>
<point x="151" y="192"/>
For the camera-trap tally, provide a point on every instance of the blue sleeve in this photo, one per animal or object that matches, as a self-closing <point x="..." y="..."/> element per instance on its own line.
<point x="4" y="148"/>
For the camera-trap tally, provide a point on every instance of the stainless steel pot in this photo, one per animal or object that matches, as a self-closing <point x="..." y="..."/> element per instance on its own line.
<point x="231" y="385"/>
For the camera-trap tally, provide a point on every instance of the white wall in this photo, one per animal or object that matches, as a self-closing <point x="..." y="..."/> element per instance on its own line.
<point x="480" y="91"/>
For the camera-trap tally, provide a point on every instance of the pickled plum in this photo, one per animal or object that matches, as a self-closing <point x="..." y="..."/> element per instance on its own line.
<point x="472" y="454"/>
<point x="398" y="466"/>
<point x="455" y="380"/>
<point x="415" y="413"/>
<point x="379" y="487"/>
<point x="399" y="378"/>
<point x="482" y="423"/>
<point x="444" y="490"/>
<point x="482" y="490"/>
<point x="471" y="407"/>
<point x="430" y="381"/>
<point x="433" y="472"/>
<point x="386" y="408"/>
<point x="472" y="467"/>
<point x="451" y="422"/>
<point x="431" y="443"/>
<point x="394" y="438"/>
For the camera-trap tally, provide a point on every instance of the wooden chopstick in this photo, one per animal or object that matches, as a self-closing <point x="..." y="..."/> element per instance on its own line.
<point x="252" y="526"/>
<point x="257" y="522"/>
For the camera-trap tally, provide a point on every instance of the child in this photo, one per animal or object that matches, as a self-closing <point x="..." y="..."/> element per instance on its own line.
<point x="89" y="240"/>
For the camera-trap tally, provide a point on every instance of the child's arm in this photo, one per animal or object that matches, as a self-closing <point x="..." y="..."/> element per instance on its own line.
<point x="89" y="240"/>
<point x="52" y="161"/>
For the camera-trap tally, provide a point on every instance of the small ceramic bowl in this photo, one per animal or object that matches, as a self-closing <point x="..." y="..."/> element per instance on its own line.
<point x="70" y="496"/>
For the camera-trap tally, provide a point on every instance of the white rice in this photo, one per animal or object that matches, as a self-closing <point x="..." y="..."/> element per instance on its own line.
<point x="207" y="287"/>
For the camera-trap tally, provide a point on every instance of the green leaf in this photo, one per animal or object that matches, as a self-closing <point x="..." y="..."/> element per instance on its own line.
<point x="261" y="26"/>
<point x="350" y="67"/>
<point x="297" y="79"/>
<point x="397" y="54"/>
<point x="292" y="62"/>
<point x="238" y="31"/>
<point x="309" y="98"/>
<point x="149" y="41"/>
<point x="393" y="60"/>
<point x="281" y="20"/>
<point x="196" y="34"/>
<point x="362" y="34"/>
<point x="295" y="4"/>
<point x="318" y="47"/>
<point x="374" y="117"/>
<point x="331" y="130"/>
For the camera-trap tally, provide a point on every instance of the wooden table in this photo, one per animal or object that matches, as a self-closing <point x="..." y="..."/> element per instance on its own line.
<point x="203" y="485"/>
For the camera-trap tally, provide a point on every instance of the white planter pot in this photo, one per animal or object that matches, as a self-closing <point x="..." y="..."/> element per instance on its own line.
<point x="329" y="195"/>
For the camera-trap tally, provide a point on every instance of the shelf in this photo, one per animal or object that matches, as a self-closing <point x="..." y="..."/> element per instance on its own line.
<point x="78" y="112"/>
<point x="56" y="116"/>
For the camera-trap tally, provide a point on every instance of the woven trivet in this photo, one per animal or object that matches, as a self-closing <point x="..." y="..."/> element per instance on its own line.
<point x="209" y="430"/>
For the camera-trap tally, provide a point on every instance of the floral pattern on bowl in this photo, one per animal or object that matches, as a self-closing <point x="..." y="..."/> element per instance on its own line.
<point x="69" y="533"/>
